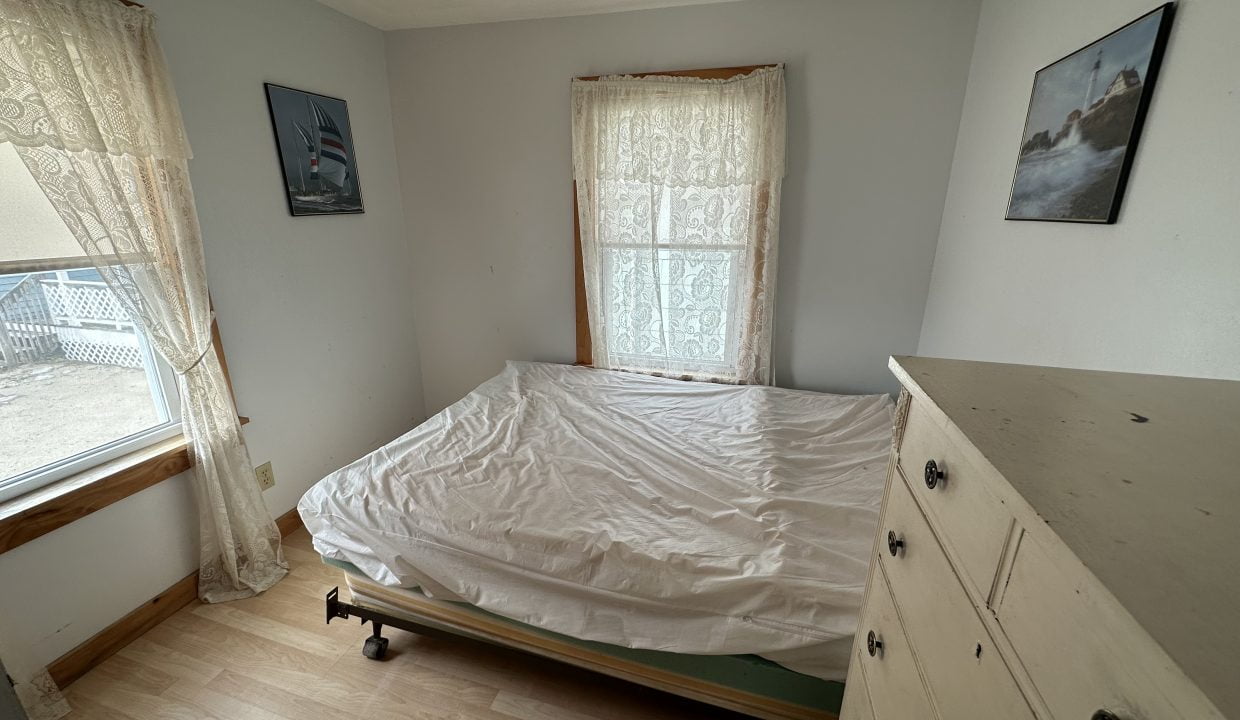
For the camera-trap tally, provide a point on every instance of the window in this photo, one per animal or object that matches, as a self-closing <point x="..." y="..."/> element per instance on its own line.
<point x="677" y="182"/>
<point x="669" y="297"/>
<point x="79" y="384"/>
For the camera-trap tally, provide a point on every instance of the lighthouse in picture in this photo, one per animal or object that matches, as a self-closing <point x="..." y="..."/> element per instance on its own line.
<point x="1093" y="82"/>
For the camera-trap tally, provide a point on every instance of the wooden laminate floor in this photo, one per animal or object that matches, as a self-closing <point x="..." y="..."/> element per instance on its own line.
<point x="272" y="657"/>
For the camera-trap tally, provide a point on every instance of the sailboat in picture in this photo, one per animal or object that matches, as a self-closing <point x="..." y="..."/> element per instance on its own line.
<point x="316" y="152"/>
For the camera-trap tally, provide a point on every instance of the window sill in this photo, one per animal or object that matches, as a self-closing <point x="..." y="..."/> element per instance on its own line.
<point x="29" y="516"/>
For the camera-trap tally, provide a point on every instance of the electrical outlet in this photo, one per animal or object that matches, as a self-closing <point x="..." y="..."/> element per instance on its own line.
<point x="266" y="477"/>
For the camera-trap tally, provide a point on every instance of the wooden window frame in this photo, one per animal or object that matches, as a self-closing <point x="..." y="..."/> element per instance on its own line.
<point x="57" y="504"/>
<point x="585" y="345"/>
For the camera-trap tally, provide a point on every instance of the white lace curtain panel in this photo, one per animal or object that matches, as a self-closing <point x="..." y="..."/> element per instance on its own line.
<point x="86" y="98"/>
<point x="678" y="184"/>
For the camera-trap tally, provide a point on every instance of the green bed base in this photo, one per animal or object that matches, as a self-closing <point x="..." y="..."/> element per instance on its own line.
<point x="748" y="673"/>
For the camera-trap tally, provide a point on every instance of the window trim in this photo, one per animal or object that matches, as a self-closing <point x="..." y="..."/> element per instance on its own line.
<point x="73" y="465"/>
<point x="63" y="501"/>
<point x="585" y="346"/>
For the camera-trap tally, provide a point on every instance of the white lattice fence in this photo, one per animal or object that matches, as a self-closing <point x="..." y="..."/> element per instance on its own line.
<point x="103" y="354"/>
<point x="83" y="301"/>
<point x="45" y="315"/>
<point x="100" y="347"/>
<point x="91" y="323"/>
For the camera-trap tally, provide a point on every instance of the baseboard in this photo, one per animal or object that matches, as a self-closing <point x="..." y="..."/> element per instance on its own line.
<point x="289" y="523"/>
<point x="108" y="641"/>
<point x="74" y="664"/>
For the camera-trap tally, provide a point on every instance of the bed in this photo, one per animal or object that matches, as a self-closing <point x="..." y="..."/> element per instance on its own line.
<point x="634" y="520"/>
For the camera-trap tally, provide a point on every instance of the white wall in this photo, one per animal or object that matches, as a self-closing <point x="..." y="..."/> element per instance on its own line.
<point x="1157" y="292"/>
<point x="482" y="120"/>
<point x="315" y="313"/>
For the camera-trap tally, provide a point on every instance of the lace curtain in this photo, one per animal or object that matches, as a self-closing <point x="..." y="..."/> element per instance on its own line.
<point x="678" y="183"/>
<point x="86" y="98"/>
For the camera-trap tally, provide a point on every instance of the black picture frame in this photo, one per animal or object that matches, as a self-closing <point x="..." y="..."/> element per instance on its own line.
<point x="1078" y="171"/>
<point x="314" y="144"/>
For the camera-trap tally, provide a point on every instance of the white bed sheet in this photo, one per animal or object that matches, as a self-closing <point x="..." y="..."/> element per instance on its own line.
<point x="627" y="509"/>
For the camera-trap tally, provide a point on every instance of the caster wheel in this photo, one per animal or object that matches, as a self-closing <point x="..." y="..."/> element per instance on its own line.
<point x="375" y="648"/>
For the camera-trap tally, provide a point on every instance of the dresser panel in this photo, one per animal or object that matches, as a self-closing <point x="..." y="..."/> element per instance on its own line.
<point x="965" y="672"/>
<point x="891" y="677"/>
<point x="969" y="518"/>
<point x="1082" y="652"/>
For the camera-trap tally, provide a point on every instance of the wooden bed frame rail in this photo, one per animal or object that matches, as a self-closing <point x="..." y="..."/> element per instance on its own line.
<point x="437" y="620"/>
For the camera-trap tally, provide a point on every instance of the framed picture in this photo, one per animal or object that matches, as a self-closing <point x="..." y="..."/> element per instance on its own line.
<point x="1084" y="119"/>
<point x="315" y="144"/>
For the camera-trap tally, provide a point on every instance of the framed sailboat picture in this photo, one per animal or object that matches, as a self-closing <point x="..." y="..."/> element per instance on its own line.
<point x="1084" y="120"/>
<point x="315" y="145"/>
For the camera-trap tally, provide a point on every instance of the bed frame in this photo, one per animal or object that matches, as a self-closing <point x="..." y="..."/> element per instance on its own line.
<point x="417" y="614"/>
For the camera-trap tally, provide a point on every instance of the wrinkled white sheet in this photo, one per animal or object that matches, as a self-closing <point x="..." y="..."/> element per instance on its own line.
<point x="627" y="509"/>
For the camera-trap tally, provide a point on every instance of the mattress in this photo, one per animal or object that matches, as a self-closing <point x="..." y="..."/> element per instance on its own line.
<point x="630" y="510"/>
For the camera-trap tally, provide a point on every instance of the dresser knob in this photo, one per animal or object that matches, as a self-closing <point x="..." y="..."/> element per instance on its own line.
<point x="1104" y="715"/>
<point x="873" y="644"/>
<point x="893" y="544"/>
<point x="934" y="474"/>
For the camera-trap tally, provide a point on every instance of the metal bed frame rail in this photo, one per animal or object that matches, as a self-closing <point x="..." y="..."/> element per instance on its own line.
<point x="376" y="645"/>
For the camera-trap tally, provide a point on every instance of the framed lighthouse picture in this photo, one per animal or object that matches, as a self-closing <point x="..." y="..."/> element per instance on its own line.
<point x="1083" y="123"/>
<point x="315" y="145"/>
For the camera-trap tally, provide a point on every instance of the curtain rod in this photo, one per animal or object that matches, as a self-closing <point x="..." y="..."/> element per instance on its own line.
<point x="722" y="73"/>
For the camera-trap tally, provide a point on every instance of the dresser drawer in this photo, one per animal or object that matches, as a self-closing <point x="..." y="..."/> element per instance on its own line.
<point x="1081" y="649"/>
<point x="891" y="680"/>
<point x="856" y="699"/>
<point x="971" y="521"/>
<point x="965" y="673"/>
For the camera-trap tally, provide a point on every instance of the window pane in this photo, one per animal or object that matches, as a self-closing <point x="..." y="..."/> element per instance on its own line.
<point x="75" y="372"/>
<point x="696" y="289"/>
<point x="30" y="228"/>
<point x="670" y="304"/>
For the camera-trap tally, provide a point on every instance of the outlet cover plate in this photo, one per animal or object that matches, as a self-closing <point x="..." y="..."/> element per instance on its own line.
<point x="266" y="477"/>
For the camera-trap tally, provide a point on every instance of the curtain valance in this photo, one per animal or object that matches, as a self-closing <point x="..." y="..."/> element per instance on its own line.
<point x="78" y="75"/>
<point x="680" y="131"/>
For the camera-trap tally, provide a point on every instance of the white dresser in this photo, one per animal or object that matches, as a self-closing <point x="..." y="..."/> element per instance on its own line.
<point x="1055" y="544"/>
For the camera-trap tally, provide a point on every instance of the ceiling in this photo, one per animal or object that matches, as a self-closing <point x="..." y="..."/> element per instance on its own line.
<point x="400" y="14"/>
